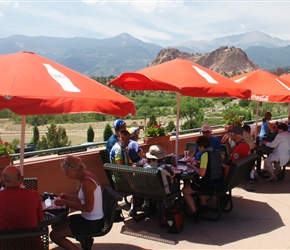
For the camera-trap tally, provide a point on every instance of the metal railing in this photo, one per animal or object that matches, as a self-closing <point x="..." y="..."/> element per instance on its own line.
<point x="81" y="148"/>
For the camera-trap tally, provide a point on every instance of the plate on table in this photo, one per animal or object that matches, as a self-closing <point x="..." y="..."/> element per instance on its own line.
<point x="176" y="170"/>
<point x="182" y="167"/>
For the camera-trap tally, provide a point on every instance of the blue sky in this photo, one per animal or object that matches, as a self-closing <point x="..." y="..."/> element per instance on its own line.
<point x="162" y="22"/>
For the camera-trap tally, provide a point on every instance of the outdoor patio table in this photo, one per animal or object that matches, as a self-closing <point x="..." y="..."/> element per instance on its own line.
<point x="52" y="216"/>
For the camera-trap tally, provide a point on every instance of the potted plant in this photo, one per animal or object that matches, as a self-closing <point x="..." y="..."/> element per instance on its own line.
<point x="232" y="120"/>
<point x="155" y="134"/>
<point x="5" y="153"/>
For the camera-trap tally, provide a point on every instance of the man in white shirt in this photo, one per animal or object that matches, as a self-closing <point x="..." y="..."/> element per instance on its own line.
<point x="281" y="152"/>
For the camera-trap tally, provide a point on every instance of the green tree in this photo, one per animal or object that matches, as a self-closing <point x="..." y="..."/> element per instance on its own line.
<point x="189" y="124"/>
<point x="190" y="109"/>
<point x="55" y="138"/>
<point x="152" y="120"/>
<point x="171" y="126"/>
<point x="35" y="137"/>
<point x="90" y="134"/>
<point x="107" y="132"/>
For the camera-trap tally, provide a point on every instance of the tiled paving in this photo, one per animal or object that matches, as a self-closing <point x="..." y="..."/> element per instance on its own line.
<point x="260" y="219"/>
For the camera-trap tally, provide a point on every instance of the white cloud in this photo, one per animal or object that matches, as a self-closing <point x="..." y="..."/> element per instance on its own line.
<point x="161" y="22"/>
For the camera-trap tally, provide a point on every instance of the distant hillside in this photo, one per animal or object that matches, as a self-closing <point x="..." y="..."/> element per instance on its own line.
<point x="242" y="41"/>
<point x="93" y="57"/>
<point x="268" y="58"/>
<point x="228" y="61"/>
<point x="123" y="53"/>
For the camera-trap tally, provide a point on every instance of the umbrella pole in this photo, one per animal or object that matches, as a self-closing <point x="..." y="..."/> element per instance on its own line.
<point x="257" y="112"/>
<point x="23" y="124"/>
<point x="177" y="127"/>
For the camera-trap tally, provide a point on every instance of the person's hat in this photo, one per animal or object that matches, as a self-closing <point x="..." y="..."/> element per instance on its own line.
<point x="119" y="123"/>
<point x="237" y="130"/>
<point x="133" y="132"/>
<point x="206" y="127"/>
<point x="155" y="152"/>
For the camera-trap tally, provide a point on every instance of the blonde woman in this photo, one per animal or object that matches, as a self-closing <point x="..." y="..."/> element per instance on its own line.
<point x="88" y="201"/>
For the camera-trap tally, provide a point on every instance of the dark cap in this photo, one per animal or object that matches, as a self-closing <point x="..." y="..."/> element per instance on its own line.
<point x="237" y="130"/>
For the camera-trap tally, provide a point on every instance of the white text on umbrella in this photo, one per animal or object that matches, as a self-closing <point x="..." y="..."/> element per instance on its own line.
<point x="64" y="82"/>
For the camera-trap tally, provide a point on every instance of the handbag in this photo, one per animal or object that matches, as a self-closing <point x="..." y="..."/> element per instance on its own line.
<point x="174" y="219"/>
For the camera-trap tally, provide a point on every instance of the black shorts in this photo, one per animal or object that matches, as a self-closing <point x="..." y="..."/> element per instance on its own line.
<point x="204" y="184"/>
<point x="79" y="225"/>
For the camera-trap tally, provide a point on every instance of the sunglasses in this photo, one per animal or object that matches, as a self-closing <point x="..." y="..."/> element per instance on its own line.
<point x="121" y="140"/>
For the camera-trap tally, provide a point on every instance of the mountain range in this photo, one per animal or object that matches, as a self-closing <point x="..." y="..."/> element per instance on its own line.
<point x="113" y="56"/>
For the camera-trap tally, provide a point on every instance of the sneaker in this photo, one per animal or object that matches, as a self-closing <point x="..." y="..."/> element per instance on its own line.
<point x="253" y="180"/>
<point x="273" y="178"/>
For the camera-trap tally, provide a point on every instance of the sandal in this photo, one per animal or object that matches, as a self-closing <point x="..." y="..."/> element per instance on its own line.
<point x="274" y="178"/>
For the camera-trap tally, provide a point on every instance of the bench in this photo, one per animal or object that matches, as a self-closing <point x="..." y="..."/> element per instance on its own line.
<point x="25" y="238"/>
<point x="238" y="173"/>
<point x="110" y="202"/>
<point x="140" y="182"/>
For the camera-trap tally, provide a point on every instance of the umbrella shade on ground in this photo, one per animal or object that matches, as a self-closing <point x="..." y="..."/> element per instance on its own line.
<point x="184" y="77"/>
<point x="265" y="87"/>
<point x="34" y="85"/>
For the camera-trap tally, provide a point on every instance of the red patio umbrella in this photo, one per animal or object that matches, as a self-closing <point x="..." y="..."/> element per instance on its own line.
<point x="34" y="85"/>
<point x="184" y="77"/>
<point x="265" y="87"/>
<point x="287" y="78"/>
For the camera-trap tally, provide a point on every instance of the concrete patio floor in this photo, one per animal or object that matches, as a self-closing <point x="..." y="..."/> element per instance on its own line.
<point x="260" y="219"/>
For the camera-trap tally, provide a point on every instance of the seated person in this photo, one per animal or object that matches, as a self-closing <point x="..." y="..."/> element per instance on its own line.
<point x="241" y="148"/>
<point x="119" y="153"/>
<point x="210" y="173"/>
<point x="19" y="207"/>
<point x="214" y="142"/>
<point x="267" y="126"/>
<point x="88" y="201"/>
<point x="119" y="125"/>
<point x="281" y="153"/>
<point x="155" y="157"/>
<point x="134" y="150"/>
<point x="249" y="139"/>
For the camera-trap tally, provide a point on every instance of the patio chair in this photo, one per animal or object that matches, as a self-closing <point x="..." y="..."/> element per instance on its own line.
<point x="30" y="183"/>
<point x="110" y="201"/>
<point x="25" y="238"/>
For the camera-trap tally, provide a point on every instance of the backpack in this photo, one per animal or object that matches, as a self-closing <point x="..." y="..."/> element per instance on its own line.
<point x="170" y="183"/>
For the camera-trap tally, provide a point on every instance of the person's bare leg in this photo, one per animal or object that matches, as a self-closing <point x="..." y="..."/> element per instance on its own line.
<point x="202" y="199"/>
<point x="187" y="194"/>
<point x="269" y="167"/>
<point x="59" y="237"/>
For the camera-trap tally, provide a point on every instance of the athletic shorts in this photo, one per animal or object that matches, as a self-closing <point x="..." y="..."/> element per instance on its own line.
<point x="204" y="184"/>
<point x="79" y="225"/>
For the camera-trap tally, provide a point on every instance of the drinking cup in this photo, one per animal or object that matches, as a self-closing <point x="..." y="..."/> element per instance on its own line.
<point x="225" y="138"/>
<point x="186" y="154"/>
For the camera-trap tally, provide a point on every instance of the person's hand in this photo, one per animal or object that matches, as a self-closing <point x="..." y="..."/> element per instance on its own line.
<point x="59" y="202"/>
<point x="64" y="196"/>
